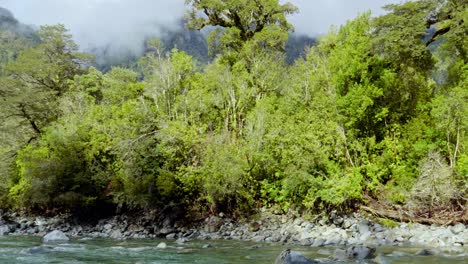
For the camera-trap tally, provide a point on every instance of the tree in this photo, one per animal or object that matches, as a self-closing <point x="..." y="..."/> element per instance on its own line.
<point x="43" y="71"/>
<point x="258" y="23"/>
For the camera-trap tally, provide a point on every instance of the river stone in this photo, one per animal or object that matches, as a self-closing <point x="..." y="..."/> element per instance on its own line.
<point x="363" y="227"/>
<point x="457" y="229"/>
<point x="182" y="240"/>
<point x="360" y="252"/>
<point x="207" y="246"/>
<point x="4" y="230"/>
<point x="161" y="245"/>
<point x="171" y="236"/>
<point x="116" y="234"/>
<point x="165" y="231"/>
<point x="355" y="252"/>
<point x="55" y="236"/>
<point x="292" y="257"/>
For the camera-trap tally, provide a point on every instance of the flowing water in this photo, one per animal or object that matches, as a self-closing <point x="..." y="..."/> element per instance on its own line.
<point x="31" y="250"/>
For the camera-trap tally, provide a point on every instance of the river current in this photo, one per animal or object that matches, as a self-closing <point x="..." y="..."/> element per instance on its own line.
<point x="32" y="250"/>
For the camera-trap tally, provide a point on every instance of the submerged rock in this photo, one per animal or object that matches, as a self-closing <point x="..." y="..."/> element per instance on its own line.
<point x="356" y="253"/>
<point x="4" y="230"/>
<point x="36" y="250"/>
<point x="55" y="236"/>
<point x="425" y="252"/>
<point x="293" y="257"/>
<point x="207" y="246"/>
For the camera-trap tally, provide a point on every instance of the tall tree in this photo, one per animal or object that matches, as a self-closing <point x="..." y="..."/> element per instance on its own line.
<point x="258" y="23"/>
<point x="39" y="76"/>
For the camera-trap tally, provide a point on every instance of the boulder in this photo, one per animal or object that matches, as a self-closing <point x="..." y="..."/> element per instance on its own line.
<point x="116" y="234"/>
<point x="161" y="245"/>
<point x="55" y="236"/>
<point x="293" y="257"/>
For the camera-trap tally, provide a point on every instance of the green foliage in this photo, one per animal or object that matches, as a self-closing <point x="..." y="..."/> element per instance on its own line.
<point x="374" y="111"/>
<point x="246" y="27"/>
<point x="387" y="222"/>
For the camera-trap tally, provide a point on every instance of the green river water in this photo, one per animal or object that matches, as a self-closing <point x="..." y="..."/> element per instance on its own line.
<point x="31" y="250"/>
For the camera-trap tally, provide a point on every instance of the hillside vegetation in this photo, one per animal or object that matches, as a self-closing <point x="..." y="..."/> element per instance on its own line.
<point x="376" y="112"/>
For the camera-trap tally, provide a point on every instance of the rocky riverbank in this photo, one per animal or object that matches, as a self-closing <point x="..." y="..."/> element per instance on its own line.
<point x="267" y="227"/>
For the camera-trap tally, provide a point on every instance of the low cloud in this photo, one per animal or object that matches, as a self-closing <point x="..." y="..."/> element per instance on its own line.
<point x="316" y="16"/>
<point x="115" y="24"/>
<point x="124" y="24"/>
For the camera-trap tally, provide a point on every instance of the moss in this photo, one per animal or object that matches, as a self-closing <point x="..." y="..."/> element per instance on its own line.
<point x="387" y="222"/>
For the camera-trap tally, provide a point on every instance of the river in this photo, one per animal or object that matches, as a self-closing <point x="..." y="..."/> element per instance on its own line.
<point x="14" y="249"/>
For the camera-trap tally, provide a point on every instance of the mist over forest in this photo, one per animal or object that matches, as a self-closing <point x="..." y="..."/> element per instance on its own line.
<point x="226" y="109"/>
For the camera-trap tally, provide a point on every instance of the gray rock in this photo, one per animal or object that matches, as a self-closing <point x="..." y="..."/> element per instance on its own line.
<point x="161" y="245"/>
<point x="347" y="223"/>
<point x="334" y="239"/>
<point x="165" y="231"/>
<point x="55" y="236"/>
<point x="293" y="257"/>
<point x="360" y="252"/>
<point x="181" y="240"/>
<point x="171" y="236"/>
<point x="207" y="246"/>
<point x="378" y="228"/>
<point x="4" y="230"/>
<point x="338" y="220"/>
<point x="363" y="227"/>
<point x="116" y="234"/>
<point x="213" y="224"/>
<point x="457" y="229"/>
<point x="354" y="253"/>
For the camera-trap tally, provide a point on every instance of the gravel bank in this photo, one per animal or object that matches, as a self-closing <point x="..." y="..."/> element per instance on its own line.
<point x="266" y="228"/>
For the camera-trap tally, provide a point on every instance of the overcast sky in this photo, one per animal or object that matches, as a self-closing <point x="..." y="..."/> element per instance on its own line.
<point x="126" y="22"/>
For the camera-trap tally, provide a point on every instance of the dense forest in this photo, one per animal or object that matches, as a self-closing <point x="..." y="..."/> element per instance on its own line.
<point x="374" y="113"/>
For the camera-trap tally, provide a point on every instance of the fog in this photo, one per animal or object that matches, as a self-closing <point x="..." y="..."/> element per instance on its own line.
<point x="316" y="16"/>
<point x="124" y="24"/>
<point x="118" y="24"/>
